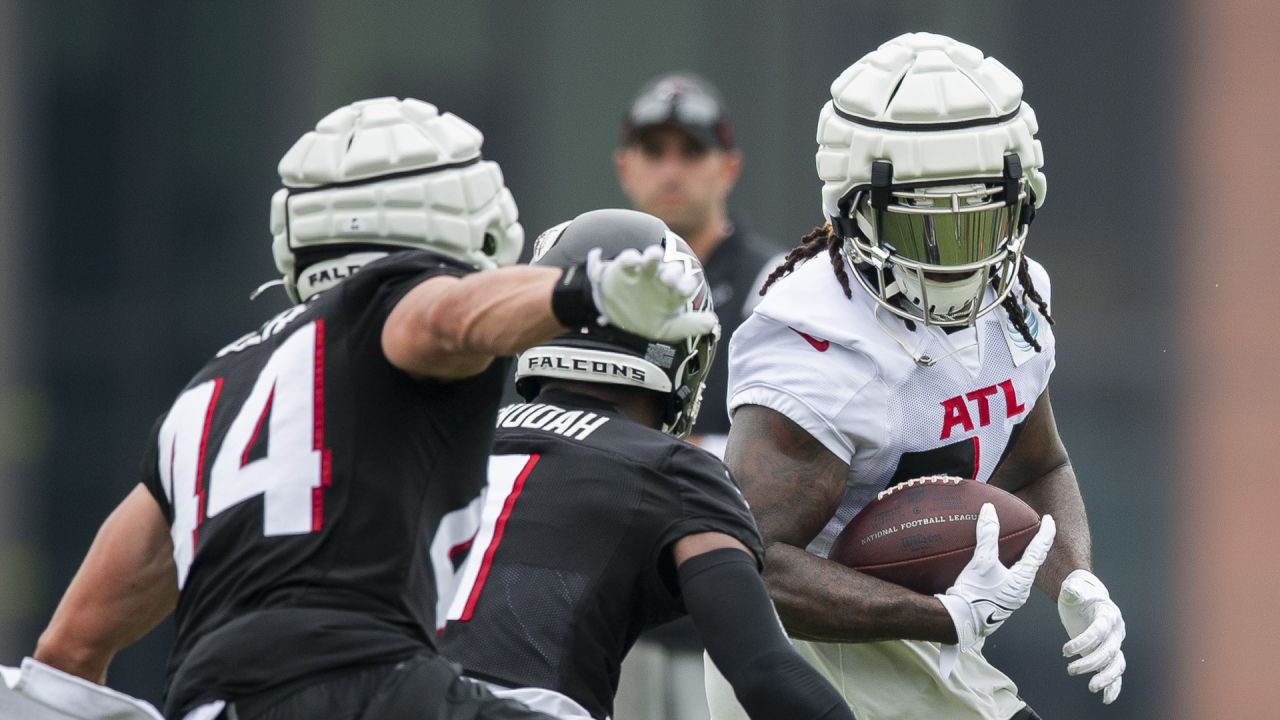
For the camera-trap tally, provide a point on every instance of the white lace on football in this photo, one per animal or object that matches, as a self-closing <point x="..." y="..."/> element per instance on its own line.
<point x="916" y="482"/>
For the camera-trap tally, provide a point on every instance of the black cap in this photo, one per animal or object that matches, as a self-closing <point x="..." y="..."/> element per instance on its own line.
<point x="681" y="100"/>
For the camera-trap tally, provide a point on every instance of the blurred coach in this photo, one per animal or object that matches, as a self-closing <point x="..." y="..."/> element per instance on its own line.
<point x="677" y="160"/>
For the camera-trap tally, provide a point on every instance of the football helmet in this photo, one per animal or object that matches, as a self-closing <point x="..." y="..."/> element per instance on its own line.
<point x="385" y="174"/>
<point x="931" y="175"/>
<point x="606" y="354"/>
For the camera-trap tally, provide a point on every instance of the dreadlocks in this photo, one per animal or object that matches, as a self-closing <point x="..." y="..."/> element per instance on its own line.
<point x="1016" y="310"/>
<point x="819" y="239"/>
<point x="824" y="238"/>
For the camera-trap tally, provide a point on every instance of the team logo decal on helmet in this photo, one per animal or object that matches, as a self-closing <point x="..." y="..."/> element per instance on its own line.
<point x="384" y="174"/>
<point x="931" y="175"/>
<point x="608" y="355"/>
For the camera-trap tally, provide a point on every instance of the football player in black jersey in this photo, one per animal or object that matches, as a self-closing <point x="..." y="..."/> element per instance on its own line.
<point x="292" y="490"/>
<point x="598" y="523"/>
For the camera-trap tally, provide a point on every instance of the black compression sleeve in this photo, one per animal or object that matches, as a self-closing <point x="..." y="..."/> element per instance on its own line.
<point x="571" y="300"/>
<point x="730" y="607"/>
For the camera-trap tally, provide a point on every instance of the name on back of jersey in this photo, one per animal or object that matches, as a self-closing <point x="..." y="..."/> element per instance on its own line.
<point x="575" y="424"/>
<point x="269" y="328"/>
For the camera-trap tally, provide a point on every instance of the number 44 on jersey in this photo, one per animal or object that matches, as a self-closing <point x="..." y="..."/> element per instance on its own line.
<point x="288" y="398"/>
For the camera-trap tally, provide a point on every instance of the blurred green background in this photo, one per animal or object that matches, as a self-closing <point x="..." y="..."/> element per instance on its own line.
<point x="138" y="144"/>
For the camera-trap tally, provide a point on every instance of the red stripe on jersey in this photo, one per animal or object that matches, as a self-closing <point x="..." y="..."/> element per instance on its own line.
<point x="977" y="456"/>
<point x="317" y="494"/>
<point x="461" y="547"/>
<point x="501" y="525"/>
<point x="204" y="444"/>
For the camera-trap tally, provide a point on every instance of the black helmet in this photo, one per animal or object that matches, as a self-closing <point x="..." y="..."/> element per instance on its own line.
<point x="606" y="354"/>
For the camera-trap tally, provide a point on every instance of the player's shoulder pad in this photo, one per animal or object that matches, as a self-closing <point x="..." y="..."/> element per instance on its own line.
<point x="767" y="353"/>
<point x="703" y="477"/>
<point x="811" y="300"/>
<point x="708" y="492"/>
<point x="407" y="263"/>
<point x="375" y="289"/>
<point x="692" y="461"/>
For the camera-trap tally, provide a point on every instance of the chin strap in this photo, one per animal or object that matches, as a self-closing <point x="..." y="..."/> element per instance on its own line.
<point x="266" y="286"/>
<point x="920" y="358"/>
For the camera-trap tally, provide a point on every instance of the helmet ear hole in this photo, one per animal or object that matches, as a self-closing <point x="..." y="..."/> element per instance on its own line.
<point x="843" y="222"/>
<point x="489" y="246"/>
<point x="1028" y="209"/>
<point x="693" y="367"/>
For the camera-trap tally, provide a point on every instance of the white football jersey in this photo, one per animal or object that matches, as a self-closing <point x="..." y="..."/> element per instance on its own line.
<point x="895" y="402"/>
<point x="838" y="368"/>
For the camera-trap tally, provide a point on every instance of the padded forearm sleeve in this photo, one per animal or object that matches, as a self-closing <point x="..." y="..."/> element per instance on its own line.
<point x="730" y="607"/>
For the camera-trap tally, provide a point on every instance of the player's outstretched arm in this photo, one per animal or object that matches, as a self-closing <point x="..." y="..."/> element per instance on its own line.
<point x="125" y="587"/>
<point x="1039" y="471"/>
<point x="450" y="327"/>
<point x="730" y="607"/>
<point x="794" y="485"/>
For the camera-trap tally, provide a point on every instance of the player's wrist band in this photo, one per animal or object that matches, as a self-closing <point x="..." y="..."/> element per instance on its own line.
<point x="571" y="300"/>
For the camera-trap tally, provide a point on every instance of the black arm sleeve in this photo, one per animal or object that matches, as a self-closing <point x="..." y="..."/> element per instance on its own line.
<point x="571" y="301"/>
<point x="730" y="607"/>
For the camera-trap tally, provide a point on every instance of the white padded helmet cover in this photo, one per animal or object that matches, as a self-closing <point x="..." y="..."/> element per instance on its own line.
<point x="912" y="84"/>
<point x="437" y="194"/>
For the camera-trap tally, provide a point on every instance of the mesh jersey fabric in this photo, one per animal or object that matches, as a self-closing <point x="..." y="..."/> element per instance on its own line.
<point x="868" y="401"/>
<point x="583" y="563"/>
<point x="834" y="367"/>
<point x="388" y="456"/>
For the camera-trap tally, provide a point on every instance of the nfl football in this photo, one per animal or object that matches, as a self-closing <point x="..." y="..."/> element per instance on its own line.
<point x="920" y="534"/>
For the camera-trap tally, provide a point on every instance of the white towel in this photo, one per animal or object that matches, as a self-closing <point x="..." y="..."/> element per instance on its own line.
<point x="39" y="692"/>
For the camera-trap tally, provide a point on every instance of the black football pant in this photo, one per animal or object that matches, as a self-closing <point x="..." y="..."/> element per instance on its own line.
<point x="1026" y="713"/>
<point x="424" y="687"/>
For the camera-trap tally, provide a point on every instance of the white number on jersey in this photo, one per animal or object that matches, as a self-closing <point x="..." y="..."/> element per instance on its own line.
<point x="459" y="592"/>
<point x="455" y="536"/>
<point x="288" y="398"/>
<point x="183" y="438"/>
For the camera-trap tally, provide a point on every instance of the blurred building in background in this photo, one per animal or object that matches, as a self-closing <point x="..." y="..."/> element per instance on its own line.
<point x="138" y="144"/>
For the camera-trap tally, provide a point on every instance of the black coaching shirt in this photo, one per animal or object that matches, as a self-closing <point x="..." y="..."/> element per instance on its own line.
<point x="735" y="270"/>
<point x="304" y="478"/>
<point x="572" y="559"/>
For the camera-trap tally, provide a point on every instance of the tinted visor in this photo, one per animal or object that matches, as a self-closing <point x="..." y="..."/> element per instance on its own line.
<point x="948" y="226"/>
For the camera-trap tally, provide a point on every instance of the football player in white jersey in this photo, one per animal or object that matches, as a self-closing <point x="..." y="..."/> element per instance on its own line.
<point x="911" y="336"/>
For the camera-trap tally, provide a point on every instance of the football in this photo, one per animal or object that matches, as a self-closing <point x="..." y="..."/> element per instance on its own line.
<point x="920" y="534"/>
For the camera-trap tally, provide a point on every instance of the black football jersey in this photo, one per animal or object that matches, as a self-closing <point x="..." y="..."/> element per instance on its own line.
<point x="571" y="559"/>
<point x="304" y="478"/>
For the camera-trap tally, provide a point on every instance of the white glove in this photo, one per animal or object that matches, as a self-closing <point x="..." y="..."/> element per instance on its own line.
<point x="643" y="295"/>
<point x="986" y="593"/>
<point x="1096" y="629"/>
